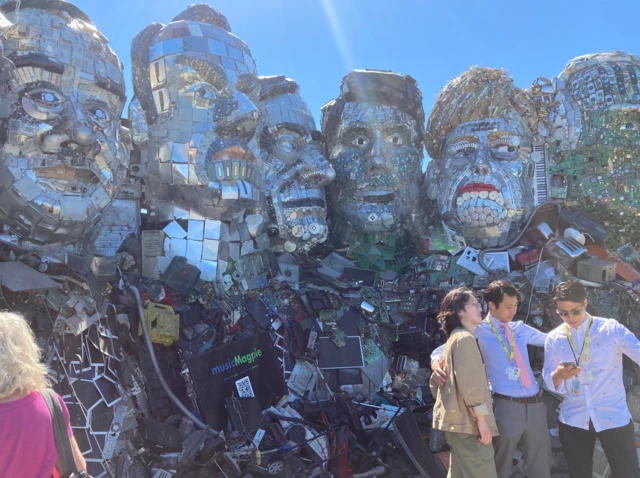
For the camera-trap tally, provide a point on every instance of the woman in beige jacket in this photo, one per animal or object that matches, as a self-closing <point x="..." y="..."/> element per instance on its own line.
<point x="463" y="406"/>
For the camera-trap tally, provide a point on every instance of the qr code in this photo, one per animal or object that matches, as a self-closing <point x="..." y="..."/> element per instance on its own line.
<point x="244" y="387"/>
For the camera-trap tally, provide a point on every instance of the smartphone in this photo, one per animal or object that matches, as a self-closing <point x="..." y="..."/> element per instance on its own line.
<point x="569" y="364"/>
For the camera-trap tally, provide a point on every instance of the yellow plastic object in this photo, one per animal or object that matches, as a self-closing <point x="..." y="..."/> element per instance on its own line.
<point x="163" y="324"/>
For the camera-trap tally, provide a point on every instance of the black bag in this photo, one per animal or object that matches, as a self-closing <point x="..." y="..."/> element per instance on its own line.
<point x="61" y="434"/>
<point x="437" y="441"/>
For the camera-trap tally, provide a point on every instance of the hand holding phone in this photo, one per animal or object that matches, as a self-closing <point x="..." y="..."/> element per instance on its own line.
<point x="565" y="371"/>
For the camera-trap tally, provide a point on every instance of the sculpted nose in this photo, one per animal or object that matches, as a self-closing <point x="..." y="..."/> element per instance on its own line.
<point x="316" y="167"/>
<point x="482" y="164"/>
<point x="79" y="130"/>
<point x="82" y="134"/>
<point x="376" y="162"/>
<point x="242" y="121"/>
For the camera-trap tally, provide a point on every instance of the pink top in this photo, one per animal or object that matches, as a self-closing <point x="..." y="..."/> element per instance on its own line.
<point x="28" y="447"/>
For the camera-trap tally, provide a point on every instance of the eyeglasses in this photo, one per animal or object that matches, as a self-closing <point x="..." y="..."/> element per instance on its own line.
<point x="474" y="303"/>
<point x="574" y="312"/>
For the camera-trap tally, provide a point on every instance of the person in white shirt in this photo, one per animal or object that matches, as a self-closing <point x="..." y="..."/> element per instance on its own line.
<point x="583" y="362"/>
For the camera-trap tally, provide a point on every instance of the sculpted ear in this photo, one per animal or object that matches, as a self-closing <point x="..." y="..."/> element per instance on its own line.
<point x="140" y="69"/>
<point x="139" y="126"/>
<point x="431" y="186"/>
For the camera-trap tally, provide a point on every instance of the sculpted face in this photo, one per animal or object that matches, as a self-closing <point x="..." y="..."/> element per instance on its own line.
<point x="483" y="183"/>
<point x="595" y="149"/>
<point x="63" y="157"/>
<point x="193" y="122"/>
<point x="295" y="172"/>
<point x="201" y="123"/>
<point x="377" y="163"/>
<point x="481" y="136"/>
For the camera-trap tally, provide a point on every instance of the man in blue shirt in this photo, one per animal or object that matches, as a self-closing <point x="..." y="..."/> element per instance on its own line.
<point x="583" y="361"/>
<point x="520" y="413"/>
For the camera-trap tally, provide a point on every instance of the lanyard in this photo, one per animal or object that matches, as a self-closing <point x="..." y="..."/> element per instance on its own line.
<point x="504" y="347"/>
<point x="585" y="344"/>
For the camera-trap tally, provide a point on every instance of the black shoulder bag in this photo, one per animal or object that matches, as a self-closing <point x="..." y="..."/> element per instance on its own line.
<point x="437" y="439"/>
<point x="61" y="434"/>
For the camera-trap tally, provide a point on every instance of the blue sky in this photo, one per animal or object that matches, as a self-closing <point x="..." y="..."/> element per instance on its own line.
<point x="316" y="42"/>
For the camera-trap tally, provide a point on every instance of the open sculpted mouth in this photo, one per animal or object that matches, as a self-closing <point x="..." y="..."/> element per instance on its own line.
<point x="234" y="152"/>
<point x="480" y="205"/>
<point x="304" y="203"/>
<point x="376" y="197"/>
<point x="66" y="173"/>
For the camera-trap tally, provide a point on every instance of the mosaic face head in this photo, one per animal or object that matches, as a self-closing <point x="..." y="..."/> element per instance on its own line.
<point x="375" y="148"/>
<point x="63" y="155"/>
<point x="193" y="121"/>
<point x="295" y="170"/>
<point x="187" y="79"/>
<point x="594" y="143"/>
<point x="481" y="176"/>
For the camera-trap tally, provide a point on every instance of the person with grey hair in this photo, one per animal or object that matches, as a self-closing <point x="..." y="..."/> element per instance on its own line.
<point x="26" y="432"/>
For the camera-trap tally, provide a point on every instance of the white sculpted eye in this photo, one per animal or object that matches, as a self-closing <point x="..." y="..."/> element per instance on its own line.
<point x="395" y="140"/>
<point x="287" y="143"/>
<point x="43" y="103"/>
<point x="99" y="115"/>
<point x="45" y="97"/>
<point x="202" y="90"/>
<point x="361" y="141"/>
<point x="504" y="149"/>
<point x="630" y="126"/>
<point x="463" y="149"/>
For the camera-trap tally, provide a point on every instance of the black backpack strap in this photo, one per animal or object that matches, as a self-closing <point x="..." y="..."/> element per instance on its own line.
<point x="60" y="432"/>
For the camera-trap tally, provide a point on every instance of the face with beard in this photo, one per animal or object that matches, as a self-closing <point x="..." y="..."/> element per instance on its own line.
<point x="193" y="123"/>
<point x="594" y="141"/>
<point x="63" y="156"/>
<point x="295" y="170"/>
<point x="376" y="151"/>
<point x="481" y="176"/>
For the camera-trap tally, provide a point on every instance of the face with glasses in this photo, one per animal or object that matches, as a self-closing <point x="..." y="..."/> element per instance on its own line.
<point x="471" y="314"/>
<point x="573" y="313"/>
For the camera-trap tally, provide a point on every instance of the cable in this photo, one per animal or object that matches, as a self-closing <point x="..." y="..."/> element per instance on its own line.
<point x="220" y="469"/>
<point x="518" y="237"/>
<point x="587" y="234"/>
<point x="156" y="367"/>
<point x="533" y="288"/>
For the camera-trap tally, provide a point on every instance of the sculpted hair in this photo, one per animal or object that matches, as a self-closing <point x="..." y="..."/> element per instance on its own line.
<point x="571" y="291"/>
<point x="71" y="9"/>
<point x="478" y="93"/>
<point x="496" y="291"/>
<point x="452" y="304"/>
<point x="21" y="369"/>
<point x="582" y="71"/>
<point x="379" y="87"/>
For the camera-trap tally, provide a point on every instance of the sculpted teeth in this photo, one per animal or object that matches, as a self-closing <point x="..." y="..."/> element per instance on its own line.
<point x="492" y="196"/>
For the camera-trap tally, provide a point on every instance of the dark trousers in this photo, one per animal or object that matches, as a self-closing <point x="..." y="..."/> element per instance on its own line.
<point x="619" y="444"/>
